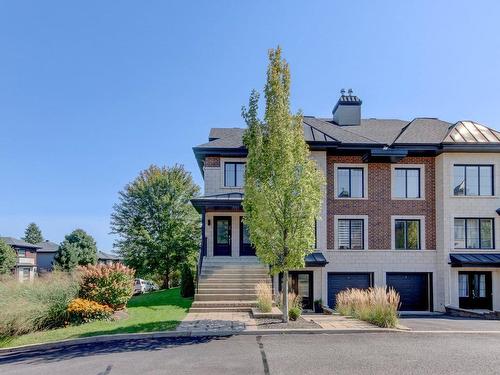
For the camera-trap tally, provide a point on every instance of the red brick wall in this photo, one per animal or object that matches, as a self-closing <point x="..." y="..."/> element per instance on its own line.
<point x="212" y="161"/>
<point x="379" y="206"/>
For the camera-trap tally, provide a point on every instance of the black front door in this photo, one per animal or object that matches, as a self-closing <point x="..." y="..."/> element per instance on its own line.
<point x="300" y="283"/>
<point x="246" y="248"/>
<point x="474" y="290"/>
<point x="222" y="236"/>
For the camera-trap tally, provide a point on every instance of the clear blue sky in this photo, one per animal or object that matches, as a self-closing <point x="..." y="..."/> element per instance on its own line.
<point x="91" y="92"/>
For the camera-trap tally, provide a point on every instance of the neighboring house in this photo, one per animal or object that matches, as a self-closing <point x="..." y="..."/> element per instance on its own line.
<point x="45" y="256"/>
<point x="25" y="268"/>
<point x="413" y="205"/>
<point x="109" y="259"/>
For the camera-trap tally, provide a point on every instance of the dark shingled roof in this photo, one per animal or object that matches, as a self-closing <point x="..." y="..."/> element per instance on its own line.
<point x="423" y="131"/>
<point x="18" y="243"/>
<point x="375" y="132"/>
<point x="47" y="247"/>
<point x="105" y="256"/>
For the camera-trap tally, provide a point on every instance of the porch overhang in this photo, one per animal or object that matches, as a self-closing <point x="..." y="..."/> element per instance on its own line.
<point x="475" y="260"/>
<point x="316" y="259"/>
<point x="228" y="201"/>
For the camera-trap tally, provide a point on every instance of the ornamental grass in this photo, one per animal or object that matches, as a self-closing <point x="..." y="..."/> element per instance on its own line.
<point x="377" y="305"/>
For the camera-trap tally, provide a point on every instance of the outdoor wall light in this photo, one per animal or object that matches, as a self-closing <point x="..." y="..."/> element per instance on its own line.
<point x="209" y="219"/>
<point x="498" y="211"/>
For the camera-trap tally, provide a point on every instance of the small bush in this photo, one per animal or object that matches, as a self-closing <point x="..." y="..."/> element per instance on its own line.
<point x="264" y="296"/>
<point x="187" y="281"/>
<point x="110" y="285"/>
<point x="294" y="313"/>
<point x="375" y="305"/>
<point x="82" y="311"/>
<point x="34" y="306"/>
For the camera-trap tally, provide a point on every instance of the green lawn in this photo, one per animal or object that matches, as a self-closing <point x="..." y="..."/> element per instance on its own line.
<point x="157" y="311"/>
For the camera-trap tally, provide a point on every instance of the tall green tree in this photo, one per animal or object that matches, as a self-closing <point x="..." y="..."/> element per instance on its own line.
<point x="282" y="183"/>
<point x="7" y="258"/>
<point x="78" y="248"/>
<point x="33" y="234"/>
<point x="158" y="228"/>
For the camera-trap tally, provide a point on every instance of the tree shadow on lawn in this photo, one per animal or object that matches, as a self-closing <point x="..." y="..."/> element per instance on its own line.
<point x="38" y="356"/>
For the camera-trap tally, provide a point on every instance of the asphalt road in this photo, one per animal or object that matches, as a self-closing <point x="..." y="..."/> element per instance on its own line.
<point x="372" y="353"/>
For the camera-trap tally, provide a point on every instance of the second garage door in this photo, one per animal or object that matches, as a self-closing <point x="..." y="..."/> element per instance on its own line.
<point x="338" y="282"/>
<point x="413" y="289"/>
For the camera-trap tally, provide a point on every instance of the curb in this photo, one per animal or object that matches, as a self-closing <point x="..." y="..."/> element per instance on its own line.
<point x="177" y="334"/>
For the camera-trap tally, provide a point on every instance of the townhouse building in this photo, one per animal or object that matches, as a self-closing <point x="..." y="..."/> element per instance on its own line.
<point x="412" y="205"/>
<point x="26" y="258"/>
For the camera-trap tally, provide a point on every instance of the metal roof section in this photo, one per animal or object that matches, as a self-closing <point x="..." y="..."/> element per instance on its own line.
<point x="471" y="132"/>
<point x="218" y="201"/>
<point x="475" y="260"/>
<point x="316" y="259"/>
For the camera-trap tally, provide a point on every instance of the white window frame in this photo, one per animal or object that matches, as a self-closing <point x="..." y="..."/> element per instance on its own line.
<point x="336" y="166"/>
<point x="336" y="219"/>
<point x="422" y="231"/>
<point x="222" y="167"/>
<point x="421" y="167"/>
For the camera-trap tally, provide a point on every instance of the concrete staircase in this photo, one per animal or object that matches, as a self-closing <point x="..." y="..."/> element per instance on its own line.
<point x="228" y="284"/>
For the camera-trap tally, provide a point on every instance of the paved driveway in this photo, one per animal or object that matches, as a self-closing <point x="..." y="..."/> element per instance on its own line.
<point x="449" y="323"/>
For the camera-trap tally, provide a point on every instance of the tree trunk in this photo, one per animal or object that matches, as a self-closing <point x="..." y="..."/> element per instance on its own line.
<point x="166" y="281"/>
<point x="284" y="288"/>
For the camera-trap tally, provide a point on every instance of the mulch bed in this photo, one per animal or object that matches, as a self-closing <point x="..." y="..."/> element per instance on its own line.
<point x="278" y="324"/>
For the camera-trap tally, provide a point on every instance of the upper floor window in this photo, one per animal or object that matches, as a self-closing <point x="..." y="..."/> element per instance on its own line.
<point x="407" y="183"/>
<point x="473" y="233"/>
<point x="473" y="180"/>
<point x="234" y="174"/>
<point x="21" y="252"/>
<point x="351" y="234"/>
<point x="407" y="234"/>
<point x="350" y="182"/>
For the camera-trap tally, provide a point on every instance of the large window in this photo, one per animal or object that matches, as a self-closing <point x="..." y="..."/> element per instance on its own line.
<point x="473" y="233"/>
<point x="350" y="182"/>
<point x="407" y="234"/>
<point x="351" y="234"/>
<point x="21" y="252"/>
<point x="473" y="180"/>
<point x="234" y="174"/>
<point x="407" y="182"/>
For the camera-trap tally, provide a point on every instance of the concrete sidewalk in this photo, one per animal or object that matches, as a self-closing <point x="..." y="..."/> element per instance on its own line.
<point x="239" y="322"/>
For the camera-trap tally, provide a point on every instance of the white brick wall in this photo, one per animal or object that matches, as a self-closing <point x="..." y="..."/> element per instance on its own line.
<point x="450" y="206"/>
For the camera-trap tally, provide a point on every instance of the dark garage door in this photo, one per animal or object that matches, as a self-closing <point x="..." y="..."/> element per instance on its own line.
<point x="413" y="289"/>
<point x="341" y="281"/>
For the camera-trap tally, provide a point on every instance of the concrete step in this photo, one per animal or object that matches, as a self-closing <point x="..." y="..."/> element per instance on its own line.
<point x="226" y="297"/>
<point x="225" y="271"/>
<point x="250" y="278"/>
<point x="224" y="284"/>
<point x="219" y="309"/>
<point x="234" y="276"/>
<point x="197" y="304"/>
<point x="224" y="290"/>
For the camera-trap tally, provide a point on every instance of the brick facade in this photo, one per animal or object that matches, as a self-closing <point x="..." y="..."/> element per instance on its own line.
<point x="379" y="206"/>
<point x="212" y="161"/>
